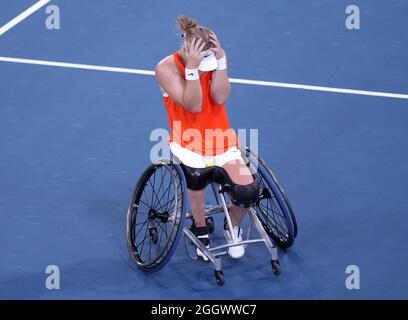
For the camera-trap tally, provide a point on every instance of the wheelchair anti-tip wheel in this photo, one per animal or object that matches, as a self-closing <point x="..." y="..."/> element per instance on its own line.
<point x="156" y="215"/>
<point x="272" y="207"/>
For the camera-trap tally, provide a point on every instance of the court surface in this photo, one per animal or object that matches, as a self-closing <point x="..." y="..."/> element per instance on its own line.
<point x="74" y="141"/>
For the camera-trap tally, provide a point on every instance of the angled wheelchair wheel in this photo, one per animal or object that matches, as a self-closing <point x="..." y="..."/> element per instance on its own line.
<point x="272" y="207"/>
<point x="156" y="215"/>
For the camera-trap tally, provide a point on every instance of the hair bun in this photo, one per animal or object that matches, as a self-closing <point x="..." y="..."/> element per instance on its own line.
<point x="186" y="23"/>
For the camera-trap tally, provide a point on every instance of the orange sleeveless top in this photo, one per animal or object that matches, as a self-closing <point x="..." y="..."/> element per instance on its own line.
<point x="207" y="132"/>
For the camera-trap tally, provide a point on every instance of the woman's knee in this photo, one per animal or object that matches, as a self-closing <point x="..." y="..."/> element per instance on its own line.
<point x="245" y="189"/>
<point x="238" y="172"/>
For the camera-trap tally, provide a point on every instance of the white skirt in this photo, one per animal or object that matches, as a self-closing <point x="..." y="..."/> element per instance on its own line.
<point x="196" y="160"/>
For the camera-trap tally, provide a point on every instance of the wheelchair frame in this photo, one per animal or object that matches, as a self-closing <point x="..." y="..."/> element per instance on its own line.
<point x="214" y="254"/>
<point x="269" y="227"/>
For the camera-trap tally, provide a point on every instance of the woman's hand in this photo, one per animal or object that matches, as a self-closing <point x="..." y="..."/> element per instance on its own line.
<point x="218" y="51"/>
<point x="193" y="53"/>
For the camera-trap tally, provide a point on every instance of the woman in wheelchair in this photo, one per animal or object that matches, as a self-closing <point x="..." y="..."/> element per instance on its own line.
<point x="195" y="87"/>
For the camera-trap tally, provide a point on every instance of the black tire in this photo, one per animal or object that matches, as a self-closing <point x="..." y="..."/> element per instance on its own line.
<point x="276" y="268"/>
<point x="156" y="215"/>
<point x="219" y="277"/>
<point x="283" y="195"/>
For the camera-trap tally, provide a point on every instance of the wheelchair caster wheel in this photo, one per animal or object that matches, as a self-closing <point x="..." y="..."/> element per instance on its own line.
<point x="219" y="277"/>
<point x="210" y="224"/>
<point x="276" y="268"/>
<point x="153" y="234"/>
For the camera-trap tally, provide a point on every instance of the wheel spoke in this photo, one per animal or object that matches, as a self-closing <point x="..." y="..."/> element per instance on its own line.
<point x="154" y="195"/>
<point x="163" y="191"/>
<point x="165" y="231"/>
<point x="271" y="216"/>
<point x="142" y="244"/>
<point x="158" y="190"/>
<point x="266" y="215"/>
<point x="141" y="228"/>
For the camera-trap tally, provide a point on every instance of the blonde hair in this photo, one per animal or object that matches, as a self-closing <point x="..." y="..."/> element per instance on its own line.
<point x="190" y="29"/>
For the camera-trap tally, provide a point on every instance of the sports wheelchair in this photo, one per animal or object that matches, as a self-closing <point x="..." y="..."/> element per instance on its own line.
<point x="158" y="210"/>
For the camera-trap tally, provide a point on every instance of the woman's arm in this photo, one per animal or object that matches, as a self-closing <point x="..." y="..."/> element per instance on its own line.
<point x="220" y="85"/>
<point x="188" y="93"/>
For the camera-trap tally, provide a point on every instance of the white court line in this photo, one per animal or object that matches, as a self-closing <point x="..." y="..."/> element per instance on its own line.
<point x="77" y="66"/>
<point x="22" y="16"/>
<point x="243" y="81"/>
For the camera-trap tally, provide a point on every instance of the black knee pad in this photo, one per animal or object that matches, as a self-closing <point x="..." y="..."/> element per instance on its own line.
<point x="241" y="195"/>
<point x="244" y="196"/>
<point x="196" y="178"/>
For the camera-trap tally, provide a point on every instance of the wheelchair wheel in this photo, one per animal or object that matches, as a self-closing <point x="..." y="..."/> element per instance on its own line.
<point x="156" y="215"/>
<point x="272" y="207"/>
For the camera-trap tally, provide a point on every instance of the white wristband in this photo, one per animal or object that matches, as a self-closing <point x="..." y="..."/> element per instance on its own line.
<point x="222" y="63"/>
<point x="192" y="74"/>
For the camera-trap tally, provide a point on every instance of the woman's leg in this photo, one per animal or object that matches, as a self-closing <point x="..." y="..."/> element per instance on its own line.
<point x="197" y="206"/>
<point x="239" y="174"/>
<point x="199" y="228"/>
<point x="193" y="160"/>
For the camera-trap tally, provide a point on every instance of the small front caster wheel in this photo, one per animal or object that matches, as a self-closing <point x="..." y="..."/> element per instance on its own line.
<point x="276" y="268"/>
<point x="219" y="277"/>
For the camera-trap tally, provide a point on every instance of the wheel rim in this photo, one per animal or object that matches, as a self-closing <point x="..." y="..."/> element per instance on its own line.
<point x="270" y="213"/>
<point x="272" y="207"/>
<point x="155" y="214"/>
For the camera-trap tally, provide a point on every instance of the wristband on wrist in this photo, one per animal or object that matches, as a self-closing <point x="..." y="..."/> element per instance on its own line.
<point x="222" y="63"/>
<point x="192" y="74"/>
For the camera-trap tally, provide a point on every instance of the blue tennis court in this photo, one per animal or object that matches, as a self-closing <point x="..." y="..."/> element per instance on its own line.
<point x="75" y="123"/>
